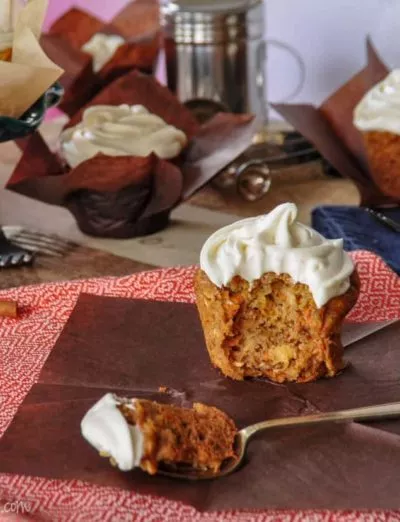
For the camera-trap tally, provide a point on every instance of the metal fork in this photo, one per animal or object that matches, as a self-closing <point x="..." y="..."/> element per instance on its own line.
<point x="243" y="437"/>
<point x="37" y="242"/>
<point x="11" y="255"/>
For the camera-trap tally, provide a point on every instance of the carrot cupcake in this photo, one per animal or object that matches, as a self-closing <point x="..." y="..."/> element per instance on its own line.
<point x="377" y="117"/>
<point x="272" y="295"/>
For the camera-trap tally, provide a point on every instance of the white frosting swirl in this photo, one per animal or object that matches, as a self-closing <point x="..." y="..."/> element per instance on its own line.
<point x="102" y="47"/>
<point x="121" y="131"/>
<point x="105" y="428"/>
<point x="379" y="110"/>
<point x="277" y="243"/>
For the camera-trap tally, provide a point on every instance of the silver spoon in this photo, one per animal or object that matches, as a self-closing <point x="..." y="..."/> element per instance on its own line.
<point x="243" y="437"/>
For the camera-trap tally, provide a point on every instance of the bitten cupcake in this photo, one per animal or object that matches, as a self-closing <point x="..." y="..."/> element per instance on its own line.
<point x="377" y="117"/>
<point x="272" y="295"/>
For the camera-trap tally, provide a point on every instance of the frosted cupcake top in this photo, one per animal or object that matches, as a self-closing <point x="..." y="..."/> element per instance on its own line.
<point x="120" y="130"/>
<point x="102" y="48"/>
<point x="277" y="243"/>
<point x="107" y="430"/>
<point x="379" y="110"/>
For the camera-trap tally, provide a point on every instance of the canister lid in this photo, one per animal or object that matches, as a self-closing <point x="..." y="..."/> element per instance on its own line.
<point x="209" y="22"/>
<point x="213" y="6"/>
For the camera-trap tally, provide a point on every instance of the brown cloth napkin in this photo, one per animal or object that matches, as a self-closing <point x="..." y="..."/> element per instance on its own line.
<point x="133" y="347"/>
<point x="330" y="128"/>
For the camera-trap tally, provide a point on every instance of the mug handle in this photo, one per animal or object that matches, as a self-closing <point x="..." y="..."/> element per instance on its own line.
<point x="260" y="64"/>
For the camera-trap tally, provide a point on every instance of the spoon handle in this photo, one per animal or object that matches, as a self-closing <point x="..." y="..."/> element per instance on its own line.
<point x="368" y="413"/>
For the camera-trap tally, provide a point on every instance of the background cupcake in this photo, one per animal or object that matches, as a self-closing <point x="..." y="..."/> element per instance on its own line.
<point x="94" y="53"/>
<point x="377" y="117"/>
<point x="129" y="157"/>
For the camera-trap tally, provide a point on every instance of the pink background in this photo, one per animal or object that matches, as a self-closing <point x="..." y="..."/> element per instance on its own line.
<point x="331" y="45"/>
<point x="105" y="9"/>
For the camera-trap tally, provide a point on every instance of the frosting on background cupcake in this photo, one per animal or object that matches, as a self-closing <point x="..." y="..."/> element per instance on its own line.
<point x="120" y="131"/>
<point x="102" y="48"/>
<point x="379" y="109"/>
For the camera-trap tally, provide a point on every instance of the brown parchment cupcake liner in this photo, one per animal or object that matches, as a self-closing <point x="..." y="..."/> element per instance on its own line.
<point x="137" y="202"/>
<point x="123" y="196"/>
<point x="141" y="17"/>
<point x="330" y="128"/>
<point x="141" y="89"/>
<point x="128" y="196"/>
<point x="71" y="31"/>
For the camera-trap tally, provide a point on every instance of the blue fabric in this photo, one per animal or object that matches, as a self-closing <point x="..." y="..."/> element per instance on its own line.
<point x="360" y="231"/>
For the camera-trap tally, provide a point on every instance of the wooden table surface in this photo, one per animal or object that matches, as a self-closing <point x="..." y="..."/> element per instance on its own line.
<point x="80" y="263"/>
<point x="179" y="244"/>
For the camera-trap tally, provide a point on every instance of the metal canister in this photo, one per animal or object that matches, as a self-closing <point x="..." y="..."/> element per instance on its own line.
<point x="215" y="53"/>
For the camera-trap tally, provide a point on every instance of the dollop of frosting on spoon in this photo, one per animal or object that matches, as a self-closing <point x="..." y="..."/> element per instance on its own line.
<point x="107" y="430"/>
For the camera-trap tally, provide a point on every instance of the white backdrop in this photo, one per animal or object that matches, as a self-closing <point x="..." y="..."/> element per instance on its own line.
<point x="330" y="36"/>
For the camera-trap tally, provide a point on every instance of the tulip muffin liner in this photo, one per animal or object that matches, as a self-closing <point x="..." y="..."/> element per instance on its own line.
<point x="128" y="196"/>
<point x="138" y="24"/>
<point x="330" y="128"/>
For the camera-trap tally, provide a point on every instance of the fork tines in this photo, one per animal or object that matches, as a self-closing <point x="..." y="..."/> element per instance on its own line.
<point x="15" y="259"/>
<point x="48" y="244"/>
<point x="11" y="255"/>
